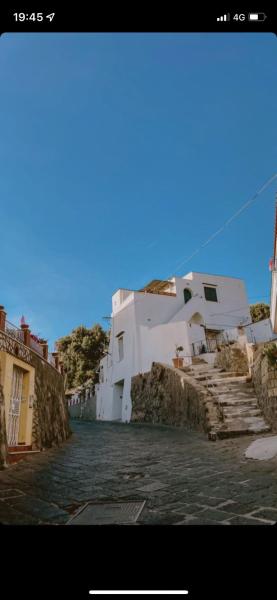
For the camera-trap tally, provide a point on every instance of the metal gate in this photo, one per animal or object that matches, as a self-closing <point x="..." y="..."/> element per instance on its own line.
<point x="15" y="405"/>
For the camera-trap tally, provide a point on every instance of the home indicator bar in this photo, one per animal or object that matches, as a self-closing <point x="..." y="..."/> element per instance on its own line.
<point x="138" y="592"/>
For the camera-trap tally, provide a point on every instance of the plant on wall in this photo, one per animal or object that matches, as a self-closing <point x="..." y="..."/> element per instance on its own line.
<point x="178" y="349"/>
<point x="271" y="352"/>
<point x="259" y="311"/>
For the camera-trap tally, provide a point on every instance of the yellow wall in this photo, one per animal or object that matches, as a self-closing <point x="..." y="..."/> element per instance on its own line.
<point x="7" y="362"/>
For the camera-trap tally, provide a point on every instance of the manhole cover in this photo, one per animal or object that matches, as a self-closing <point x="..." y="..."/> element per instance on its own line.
<point x="111" y="513"/>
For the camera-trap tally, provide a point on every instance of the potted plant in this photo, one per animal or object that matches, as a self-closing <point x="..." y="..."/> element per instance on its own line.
<point x="178" y="361"/>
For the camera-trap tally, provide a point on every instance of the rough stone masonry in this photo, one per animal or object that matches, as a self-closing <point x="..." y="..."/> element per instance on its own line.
<point x="171" y="397"/>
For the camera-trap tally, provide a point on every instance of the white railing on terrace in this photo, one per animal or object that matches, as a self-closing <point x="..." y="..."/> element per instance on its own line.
<point x="14" y="331"/>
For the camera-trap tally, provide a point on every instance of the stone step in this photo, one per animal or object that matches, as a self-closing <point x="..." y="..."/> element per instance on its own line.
<point x="236" y="391"/>
<point x="197" y="361"/>
<point x="228" y="380"/>
<point x="217" y="376"/>
<point x="234" y="396"/>
<point x="206" y="367"/>
<point x="251" y="401"/>
<point x="14" y="457"/>
<point x="253" y="423"/>
<point x="203" y="372"/>
<point x="240" y="427"/>
<point x="242" y="411"/>
<point x="237" y="396"/>
<point x="20" y="448"/>
<point x="244" y="389"/>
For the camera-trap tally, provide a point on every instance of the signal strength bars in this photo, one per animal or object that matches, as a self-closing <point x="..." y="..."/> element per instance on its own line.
<point x="224" y="18"/>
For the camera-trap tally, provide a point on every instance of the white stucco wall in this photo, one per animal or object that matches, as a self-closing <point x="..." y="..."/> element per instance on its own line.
<point x="273" y="302"/>
<point x="260" y="332"/>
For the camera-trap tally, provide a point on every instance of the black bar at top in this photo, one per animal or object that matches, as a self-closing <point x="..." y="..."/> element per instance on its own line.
<point x="134" y="17"/>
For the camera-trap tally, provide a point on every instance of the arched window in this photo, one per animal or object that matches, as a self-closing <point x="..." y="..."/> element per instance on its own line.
<point x="187" y="295"/>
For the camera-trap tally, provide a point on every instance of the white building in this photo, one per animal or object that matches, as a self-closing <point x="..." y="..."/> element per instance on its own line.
<point x="273" y="267"/>
<point x="147" y="325"/>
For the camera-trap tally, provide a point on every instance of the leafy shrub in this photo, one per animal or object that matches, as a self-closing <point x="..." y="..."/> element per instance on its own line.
<point x="270" y="352"/>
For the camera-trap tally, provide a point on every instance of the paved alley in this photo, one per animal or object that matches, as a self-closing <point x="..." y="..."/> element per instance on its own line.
<point x="184" y="478"/>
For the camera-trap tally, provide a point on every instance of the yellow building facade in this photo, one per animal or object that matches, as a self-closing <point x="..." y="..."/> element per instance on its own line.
<point x="33" y="414"/>
<point x="17" y="378"/>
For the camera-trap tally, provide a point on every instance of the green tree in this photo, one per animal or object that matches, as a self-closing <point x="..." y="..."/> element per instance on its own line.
<point x="81" y="352"/>
<point x="259" y="311"/>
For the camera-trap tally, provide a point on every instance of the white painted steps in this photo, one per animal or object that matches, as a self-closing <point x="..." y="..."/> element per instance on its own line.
<point x="234" y="396"/>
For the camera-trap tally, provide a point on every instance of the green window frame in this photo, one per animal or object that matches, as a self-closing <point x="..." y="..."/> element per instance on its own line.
<point x="187" y="295"/>
<point x="210" y="293"/>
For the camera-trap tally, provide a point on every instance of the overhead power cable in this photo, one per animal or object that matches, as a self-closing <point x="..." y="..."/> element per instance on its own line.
<point x="226" y="223"/>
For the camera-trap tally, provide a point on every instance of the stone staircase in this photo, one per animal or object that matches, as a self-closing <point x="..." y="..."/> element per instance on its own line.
<point x="236" y="410"/>
<point x="17" y="453"/>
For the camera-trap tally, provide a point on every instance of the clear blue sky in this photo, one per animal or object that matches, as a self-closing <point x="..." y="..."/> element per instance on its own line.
<point x="120" y="155"/>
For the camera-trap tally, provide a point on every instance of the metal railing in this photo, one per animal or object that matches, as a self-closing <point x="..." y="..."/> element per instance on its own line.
<point x="51" y="360"/>
<point x="198" y="348"/>
<point x="17" y="334"/>
<point x="36" y="346"/>
<point x="14" y="332"/>
<point x="208" y="345"/>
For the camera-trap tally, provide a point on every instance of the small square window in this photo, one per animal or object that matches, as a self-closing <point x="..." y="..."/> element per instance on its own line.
<point x="210" y="294"/>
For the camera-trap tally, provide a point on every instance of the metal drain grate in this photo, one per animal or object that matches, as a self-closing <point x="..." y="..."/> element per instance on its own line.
<point x="110" y="513"/>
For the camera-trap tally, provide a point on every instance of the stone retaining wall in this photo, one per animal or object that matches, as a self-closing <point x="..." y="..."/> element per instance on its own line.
<point x="264" y="378"/>
<point x="171" y="397"/>
<point x="232" y="357"/>
<point x="51" y="418"/>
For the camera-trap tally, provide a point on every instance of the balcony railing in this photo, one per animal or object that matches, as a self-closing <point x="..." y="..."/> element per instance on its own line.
<point x="209" y="345"/>
<point x="36" y="346"/>
<point x="20" y="342"/>
<point x="14" y="332"/>
<point x="17" y="334"/>
<point x="51" y="360"/>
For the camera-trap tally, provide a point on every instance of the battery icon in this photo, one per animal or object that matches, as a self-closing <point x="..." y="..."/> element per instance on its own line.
<point x="256" y="17"/>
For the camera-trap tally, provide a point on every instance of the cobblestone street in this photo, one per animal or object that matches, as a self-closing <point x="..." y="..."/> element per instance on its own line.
<point x="184" y="478"/>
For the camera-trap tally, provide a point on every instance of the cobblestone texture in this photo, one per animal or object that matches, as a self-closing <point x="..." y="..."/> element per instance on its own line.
<point x="184" y="478"/>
